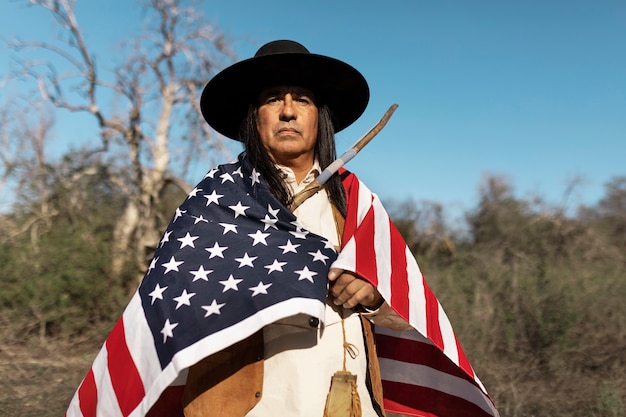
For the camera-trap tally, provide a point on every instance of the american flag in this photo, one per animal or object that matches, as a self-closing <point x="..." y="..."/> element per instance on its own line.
<point x="233" y="260"/>
<point x="424" y="371"/>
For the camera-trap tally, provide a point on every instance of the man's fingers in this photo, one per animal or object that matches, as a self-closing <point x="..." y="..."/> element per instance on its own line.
<point x="341" y="280"/>
<point x="350" y="291"/>
<point x="334" y="273"/>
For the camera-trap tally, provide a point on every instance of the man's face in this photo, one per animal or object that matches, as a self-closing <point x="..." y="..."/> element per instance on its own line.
<point x="287" y="124"/>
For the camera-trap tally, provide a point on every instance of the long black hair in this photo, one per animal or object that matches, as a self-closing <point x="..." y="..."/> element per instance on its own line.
<point x="325" y="153"/>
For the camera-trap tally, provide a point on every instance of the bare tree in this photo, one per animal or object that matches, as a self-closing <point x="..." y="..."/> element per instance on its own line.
<point x="136" y="105"/>
<point x="23" y="163"/>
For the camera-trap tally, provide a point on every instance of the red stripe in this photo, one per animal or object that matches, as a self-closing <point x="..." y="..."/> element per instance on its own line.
<point x="419" y="353"/>
<point x="463" y="361"/>
<point x="364" y="233"/>
<point x="394" y="407"/>
<point x="432" y="401"/>
<point x="400" y="277"/>
<point x="365" y="250"/>
<point x="125" y="378"/>
<point x="169" y="404"/>
<point x="352" y="191"/>
<point x="88" y="395"/>
<point x="432" y="317"/>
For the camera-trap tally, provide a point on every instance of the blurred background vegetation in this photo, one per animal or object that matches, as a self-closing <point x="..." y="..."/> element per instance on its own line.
<point x="536" y="296"/>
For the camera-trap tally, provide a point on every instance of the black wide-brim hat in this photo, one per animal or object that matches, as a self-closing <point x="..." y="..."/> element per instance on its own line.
<point x="227" y="97"/>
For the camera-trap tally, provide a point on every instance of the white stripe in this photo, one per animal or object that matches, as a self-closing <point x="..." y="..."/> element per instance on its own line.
<point x="156" y="388"/>
<point x="364" y="201"/>
<point x="479" y="382"/>
<point x="246" y="327"/>
<point x="139" y="340"/>
<point x="107" y="401"/>
<point x="420" y="375"/>
<point x="404" y="334"/>
<point x="382" y="242"/>
<point x="347" y="257"/>
<point x="417" y="298"/>
<point x="73" y="410"/>
<point x="416" y="336"/>
<point x="447" y="334"/>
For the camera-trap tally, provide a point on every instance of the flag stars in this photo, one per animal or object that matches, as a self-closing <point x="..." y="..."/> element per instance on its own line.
<point x="246" y="260"/>
<point x="157" y="293"/>
<point x="231" y="283"/>
<point x="172" y="265"/>
<point x="153" y="264"/>
<point x="179" y="213"/>
<point x="306" y="273"/>
<point x="259" y="237"/>
<point x="211" y="173"/>
<point x="238" y="172"/>
<point x="214" y="308"/>
<point x="260" y="288"/>
<point x="213" y="198"/>
<point x="199" y="219"/>
<point x="165" y="239"/>
<point x="300" y="234"/>
<point x="226" y="177"/>
<point x="201" y="273"/>
<point x="255" y="177"/>
<point x="319" y="256"/>
<point x="239" y="209"/>
<point x="289" y="247"/>
<point x="329" y="245"/>
<point x="269" y="222"/>
<point x="194" y="192"/>
<point x="228" y="227"/>
<point x="187" y="240"/>
<point x="298" y="225"/>
<point x="275" y="266"/>
<point x="273" y="211"/>
<point x="167" y="330"/>
<point x="216" y="250"/>
<point x="183" y="299"/>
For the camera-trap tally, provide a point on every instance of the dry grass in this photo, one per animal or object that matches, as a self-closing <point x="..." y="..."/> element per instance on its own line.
<point x="39" y="379"/>
<point x="39" y="376"/>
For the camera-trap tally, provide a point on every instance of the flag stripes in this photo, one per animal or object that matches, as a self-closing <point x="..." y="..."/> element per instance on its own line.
<point x="125" y="379"/>
<point x="424" y="370"/>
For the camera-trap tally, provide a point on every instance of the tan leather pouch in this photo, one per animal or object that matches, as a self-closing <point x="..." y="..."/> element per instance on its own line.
<point x="343" y="399"/>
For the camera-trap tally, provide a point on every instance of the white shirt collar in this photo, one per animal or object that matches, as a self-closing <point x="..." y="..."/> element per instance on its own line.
<point x="290" y="178"/>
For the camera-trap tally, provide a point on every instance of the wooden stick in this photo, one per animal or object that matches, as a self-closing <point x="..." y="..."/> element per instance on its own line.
<point x="331" y="169"/>
<point x="360" y="144"/>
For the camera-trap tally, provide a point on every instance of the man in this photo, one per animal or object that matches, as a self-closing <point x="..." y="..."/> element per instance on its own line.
<point x="287" y="136"/>
<point x="251" y="308"/>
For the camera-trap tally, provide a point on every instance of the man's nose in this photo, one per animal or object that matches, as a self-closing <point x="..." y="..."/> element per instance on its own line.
<point x="288" y="111"/>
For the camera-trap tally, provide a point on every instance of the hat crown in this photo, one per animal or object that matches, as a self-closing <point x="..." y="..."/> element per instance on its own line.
<point x="281" y="47"/>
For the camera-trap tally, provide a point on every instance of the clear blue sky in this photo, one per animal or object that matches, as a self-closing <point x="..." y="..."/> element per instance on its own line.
<point x="532" y="90"/>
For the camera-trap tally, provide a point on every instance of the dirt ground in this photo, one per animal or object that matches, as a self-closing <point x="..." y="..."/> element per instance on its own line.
<point x="39" y="379"/>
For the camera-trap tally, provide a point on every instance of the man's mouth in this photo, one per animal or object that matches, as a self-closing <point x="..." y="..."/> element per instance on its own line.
<point x="287" y="130"/>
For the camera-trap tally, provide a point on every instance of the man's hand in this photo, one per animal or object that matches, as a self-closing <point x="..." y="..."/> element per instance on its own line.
<point x="349" y="290"/>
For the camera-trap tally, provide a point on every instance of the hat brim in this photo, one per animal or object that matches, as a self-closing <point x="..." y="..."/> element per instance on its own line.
<point x="227" y="97"/>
